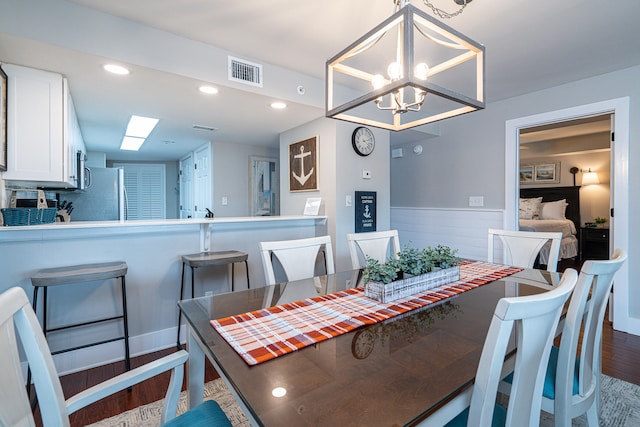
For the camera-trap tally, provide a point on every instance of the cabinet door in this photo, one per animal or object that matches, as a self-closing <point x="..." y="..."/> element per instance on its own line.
<point x="73" y="140"/>
<point x="35" y="125"/>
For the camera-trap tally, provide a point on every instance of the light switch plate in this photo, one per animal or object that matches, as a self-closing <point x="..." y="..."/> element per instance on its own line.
<point x="347" y="201"/>
<point x="476" y="201"/>
<point x="225" y="201"/>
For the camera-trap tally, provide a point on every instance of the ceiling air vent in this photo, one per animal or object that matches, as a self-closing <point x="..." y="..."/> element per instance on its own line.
<point x="245" y="72"/>
<point x="203" y="127"/>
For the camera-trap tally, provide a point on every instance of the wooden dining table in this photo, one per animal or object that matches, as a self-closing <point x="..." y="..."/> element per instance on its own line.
<point x="392" y="373"/>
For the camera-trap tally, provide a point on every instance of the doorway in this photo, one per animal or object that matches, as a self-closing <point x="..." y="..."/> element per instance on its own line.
<point x="264" y="196"/>
<point x="619" y="108"/>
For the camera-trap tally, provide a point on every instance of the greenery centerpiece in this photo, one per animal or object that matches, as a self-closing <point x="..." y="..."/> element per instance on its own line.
<point x="600" y="222"/>
<point x="413" y="271"/>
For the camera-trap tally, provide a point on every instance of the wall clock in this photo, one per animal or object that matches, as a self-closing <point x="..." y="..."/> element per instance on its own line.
<point x="363" y="141"/>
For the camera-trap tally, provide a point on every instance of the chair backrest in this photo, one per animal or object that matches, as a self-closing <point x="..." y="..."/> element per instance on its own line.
<point x="584" y="319"/>
<point x="16" y="314"/>
<point x="522" y="247"/>
<point x="297" y="257"/>
<point x="373" y="245"/>
<point x="535" y="319"/>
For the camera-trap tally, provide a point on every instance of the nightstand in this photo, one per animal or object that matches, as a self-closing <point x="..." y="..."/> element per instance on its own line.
<point x="594" y="243"/>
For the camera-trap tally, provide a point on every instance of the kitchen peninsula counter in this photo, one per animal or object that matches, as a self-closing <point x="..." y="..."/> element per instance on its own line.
<point x="152" y="251"/>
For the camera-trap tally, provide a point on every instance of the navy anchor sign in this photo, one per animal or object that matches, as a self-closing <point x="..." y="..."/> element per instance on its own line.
<point x="303" y="165"/>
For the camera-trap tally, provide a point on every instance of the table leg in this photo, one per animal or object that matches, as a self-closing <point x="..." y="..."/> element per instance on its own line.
<point x="195" y="370"/>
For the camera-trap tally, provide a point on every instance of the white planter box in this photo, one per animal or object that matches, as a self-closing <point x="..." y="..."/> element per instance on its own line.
<point x="410" y="286"/>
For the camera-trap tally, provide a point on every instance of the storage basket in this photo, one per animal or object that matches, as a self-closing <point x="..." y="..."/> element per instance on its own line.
<point x="28" y="216"/>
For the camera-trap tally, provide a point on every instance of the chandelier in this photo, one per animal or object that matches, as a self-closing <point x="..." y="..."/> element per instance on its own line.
<point x="408" y="71"/>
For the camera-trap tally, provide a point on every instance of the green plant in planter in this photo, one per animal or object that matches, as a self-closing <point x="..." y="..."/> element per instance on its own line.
<point x="376" y="272"/>
<point x="410" y="261"/>
<point x="599" y="220"/>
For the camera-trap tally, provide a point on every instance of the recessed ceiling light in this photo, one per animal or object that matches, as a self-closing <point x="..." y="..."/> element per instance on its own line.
<point x="209" y="90"/>
<point x="278" y="105"/>
<point x="116" y="69"/>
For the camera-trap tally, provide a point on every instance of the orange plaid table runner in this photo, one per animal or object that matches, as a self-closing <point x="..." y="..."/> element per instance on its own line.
<point x="265" y="334"/>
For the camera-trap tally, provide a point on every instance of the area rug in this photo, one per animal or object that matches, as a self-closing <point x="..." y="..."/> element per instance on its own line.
<point x="620" y="408"/>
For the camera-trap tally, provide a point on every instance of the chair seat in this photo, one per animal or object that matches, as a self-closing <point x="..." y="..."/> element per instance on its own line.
<point x="206" y="414"/>
<point x="499" y="418"/>
<point x="79" y="273"/>
<point x="549" y="390"/>
<point x="214" y="258"/>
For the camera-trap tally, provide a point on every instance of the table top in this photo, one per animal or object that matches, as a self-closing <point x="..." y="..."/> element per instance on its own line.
<point x="392" y="373"/>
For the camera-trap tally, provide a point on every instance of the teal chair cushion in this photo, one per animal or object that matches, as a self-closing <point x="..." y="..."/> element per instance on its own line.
<point x="549" y="390"/>
<point x="207" y="414"/>
<point x="499" y="418"/>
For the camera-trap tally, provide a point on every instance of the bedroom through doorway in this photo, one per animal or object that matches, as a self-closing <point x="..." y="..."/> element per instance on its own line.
<point x="564" y="171"/>
<point x="623" y="296"/>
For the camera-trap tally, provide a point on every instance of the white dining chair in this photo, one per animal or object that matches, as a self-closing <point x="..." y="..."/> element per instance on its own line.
<point x="378" y="245"/>
<point x="572" y="383"/>
<point x="297" y="257"/>
<point x="522" y="247"/>
<point x="17" y="319"/>
<point x="534" y="319"/>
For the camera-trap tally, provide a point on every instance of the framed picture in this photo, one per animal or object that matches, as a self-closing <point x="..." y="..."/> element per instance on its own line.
<point x="547" y="173"/>
<point x="526" y="174"/>
<point x="303" y="165"/>
<point x="3" y="119"/>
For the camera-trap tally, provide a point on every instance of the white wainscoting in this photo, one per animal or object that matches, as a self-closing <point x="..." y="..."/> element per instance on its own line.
<point x="462" y="229"/>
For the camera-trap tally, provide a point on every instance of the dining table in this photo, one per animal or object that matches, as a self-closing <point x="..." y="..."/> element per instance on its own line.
<point x="396" y="372"/>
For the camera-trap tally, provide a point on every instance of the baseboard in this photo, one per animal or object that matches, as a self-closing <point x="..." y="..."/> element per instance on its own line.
<point x="91" y="357"/>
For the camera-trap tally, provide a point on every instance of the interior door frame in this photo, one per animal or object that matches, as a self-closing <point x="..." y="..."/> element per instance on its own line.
<point x="619" y="107"/>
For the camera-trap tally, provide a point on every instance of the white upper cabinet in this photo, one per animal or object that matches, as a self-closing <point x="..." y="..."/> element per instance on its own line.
<point x="43" y="135"/>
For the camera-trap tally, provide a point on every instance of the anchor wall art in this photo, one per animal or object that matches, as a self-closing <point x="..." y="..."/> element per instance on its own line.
<point x="303" y="165"/>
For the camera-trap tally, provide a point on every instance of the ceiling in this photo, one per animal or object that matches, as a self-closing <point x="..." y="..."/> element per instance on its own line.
<point x="529" y="46"/>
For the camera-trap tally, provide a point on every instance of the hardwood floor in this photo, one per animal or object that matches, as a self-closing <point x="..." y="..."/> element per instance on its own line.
<point x="620" y="358"/>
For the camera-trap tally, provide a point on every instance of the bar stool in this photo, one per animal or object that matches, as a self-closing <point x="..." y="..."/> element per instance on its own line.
<point x="83" y="273"/>
<point x="209" y="259"/>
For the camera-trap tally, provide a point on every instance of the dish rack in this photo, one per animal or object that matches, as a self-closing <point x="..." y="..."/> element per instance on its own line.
<point x="42" y="214"/>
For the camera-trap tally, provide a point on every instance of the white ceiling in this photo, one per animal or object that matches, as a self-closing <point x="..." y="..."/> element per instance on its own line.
<point x="529" y="46"/>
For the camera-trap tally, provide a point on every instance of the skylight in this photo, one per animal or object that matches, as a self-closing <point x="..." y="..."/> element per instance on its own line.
<point x="138" y="130"/>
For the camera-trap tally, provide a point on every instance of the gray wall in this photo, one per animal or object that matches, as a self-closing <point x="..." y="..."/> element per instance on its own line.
<point x="340" y="175"/>
<point x="231" y="176"/>
<point x="469" y="157"/>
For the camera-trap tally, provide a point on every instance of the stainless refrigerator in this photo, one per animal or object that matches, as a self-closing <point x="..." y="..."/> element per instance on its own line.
<point x="103" y="199"/>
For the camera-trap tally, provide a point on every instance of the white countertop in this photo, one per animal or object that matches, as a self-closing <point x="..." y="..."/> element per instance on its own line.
<point x="160" y="222"/>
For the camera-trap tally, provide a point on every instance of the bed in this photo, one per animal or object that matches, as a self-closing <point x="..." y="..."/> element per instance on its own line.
<point x="554" y="221"/>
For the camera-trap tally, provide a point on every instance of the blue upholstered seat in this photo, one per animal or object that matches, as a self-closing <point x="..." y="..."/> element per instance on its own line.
<point x="549" y="390"/>
<point x="499" y="418"/>
<point x="206" y="414"/>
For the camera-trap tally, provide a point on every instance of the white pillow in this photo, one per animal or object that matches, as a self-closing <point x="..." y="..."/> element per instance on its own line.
<point x="530" y="208"/>
<point x="553" y="210"/>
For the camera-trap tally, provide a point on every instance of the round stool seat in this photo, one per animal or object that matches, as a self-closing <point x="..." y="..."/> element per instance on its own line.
<point x="214" y="258"/>
<point x="79" y="273"/>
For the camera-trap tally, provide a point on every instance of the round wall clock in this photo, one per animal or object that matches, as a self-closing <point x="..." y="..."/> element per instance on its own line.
<point x="363" y="141"/>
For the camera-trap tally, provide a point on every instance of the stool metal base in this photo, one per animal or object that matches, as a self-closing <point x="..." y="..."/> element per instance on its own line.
<point x="76" y="274"/>
<point x="207" y="259"/>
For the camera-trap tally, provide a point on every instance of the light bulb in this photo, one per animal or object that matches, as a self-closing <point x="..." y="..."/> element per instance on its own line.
<point x="377" y="81"/>
<point x="394" y="71"/>
<point x="421" y="71"/>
